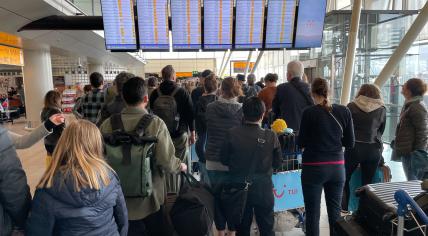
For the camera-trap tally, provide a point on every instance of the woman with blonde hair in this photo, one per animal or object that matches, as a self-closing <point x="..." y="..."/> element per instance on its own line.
<point x="79" y="194"/>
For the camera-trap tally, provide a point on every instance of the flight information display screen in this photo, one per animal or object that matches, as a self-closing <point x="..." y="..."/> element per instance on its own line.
<point x="186" y="24"/>
<point x="249" y="24"/>
<point x="119" y="24"/>
<point x="310" y="23"/>
<point x="218" y="23"/>
<point x="280" y="23"/>
<point x="153" y="24"/>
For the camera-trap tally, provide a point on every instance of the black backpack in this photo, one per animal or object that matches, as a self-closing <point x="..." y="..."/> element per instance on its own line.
<point x="193" y="211"/>
<point x="165" y="107"/>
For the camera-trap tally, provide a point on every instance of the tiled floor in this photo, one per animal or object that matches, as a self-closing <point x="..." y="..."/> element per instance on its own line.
<point x="33" y="163"/>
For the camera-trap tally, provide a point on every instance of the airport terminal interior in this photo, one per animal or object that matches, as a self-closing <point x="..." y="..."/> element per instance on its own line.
<point x="58" y="45"/>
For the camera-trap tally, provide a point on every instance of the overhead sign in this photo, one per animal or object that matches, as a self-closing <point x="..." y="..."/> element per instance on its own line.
<point x="218" y="23"/>
<point x="119" y="24"/>
<point x="239" y="66"/>
<point x="310" y="23"/>
<point x="249" y="24"/>
<point x="186" y="24"/>
<point x="11" y="56"/>
<point x="10" y="40"/>
<point x="153" y="24"/>
<point x="280" y="23"/>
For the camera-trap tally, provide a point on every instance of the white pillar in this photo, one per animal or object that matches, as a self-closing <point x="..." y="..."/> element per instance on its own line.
<point x="404" y="46"/>
<point x="350" y="52"/>
<point x="226" y="63"/>
<point x="248" y="64"/>
<point x="95" y="68"/>
<point x="37" y="82"/>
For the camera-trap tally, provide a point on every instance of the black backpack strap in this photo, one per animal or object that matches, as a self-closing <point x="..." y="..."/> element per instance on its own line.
<point x="116" y="122"/>
<point x="159" y="92"/>
<point x="174" y="92"/>
<point x="307" y="98"/>
<point x="143" y="124"/>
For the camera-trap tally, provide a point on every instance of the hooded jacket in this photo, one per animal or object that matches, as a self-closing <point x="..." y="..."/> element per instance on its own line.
<point x="62" y="211"/>
<point x="369" y="118"/>
<point x="221" y="115"/>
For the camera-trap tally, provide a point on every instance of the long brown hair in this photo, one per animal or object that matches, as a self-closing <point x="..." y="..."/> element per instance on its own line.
<point x="78" y="154"/>
<point x="230" y="88"/>
<point x="52" y="99"/>
<point x="321" y="89"/>
<point x="370" y="90"/>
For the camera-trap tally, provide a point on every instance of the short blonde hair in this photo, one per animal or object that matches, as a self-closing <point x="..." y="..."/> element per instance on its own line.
<point x="79" y="154"/>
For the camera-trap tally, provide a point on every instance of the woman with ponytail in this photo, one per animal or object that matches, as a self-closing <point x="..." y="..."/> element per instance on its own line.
<point x="325" y="129"/>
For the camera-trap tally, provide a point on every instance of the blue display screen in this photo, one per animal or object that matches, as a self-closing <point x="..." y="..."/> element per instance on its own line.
<point x="249" y="24"/>
<point x="280" y="23"/>
<point x="218" y="23"/>
<point x="310" y="23"/>
<point x="153" y="24"/>
<point x="119" y="24"/>
<point x="186" y="24"/>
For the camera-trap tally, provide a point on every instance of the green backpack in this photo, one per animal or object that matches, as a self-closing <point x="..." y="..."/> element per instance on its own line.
<point x="130" y="154"/>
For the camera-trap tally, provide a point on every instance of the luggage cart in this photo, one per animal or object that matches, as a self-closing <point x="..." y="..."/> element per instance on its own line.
<point x="290" y="172"/>
<point x="407" y="207"/>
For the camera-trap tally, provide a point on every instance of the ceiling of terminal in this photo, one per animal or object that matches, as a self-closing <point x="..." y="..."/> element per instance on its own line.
<point x="14" y="14"/>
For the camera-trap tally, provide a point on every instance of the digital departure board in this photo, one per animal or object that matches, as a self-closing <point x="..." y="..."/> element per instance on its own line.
<point x="249" y="24"/>
<point x="280" y="23"/>
<point x="186" y="24"/>
<point x="218" y="23"/>
<point x="310" y="23"/>
<point x="153" y="24"/>
<point x="119" y="24"/>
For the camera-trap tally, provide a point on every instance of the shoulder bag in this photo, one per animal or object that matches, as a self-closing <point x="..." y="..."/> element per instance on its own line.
<point x="233" y="197"/>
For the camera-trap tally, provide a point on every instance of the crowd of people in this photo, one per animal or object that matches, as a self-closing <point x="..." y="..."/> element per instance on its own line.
<point x="100" y="181"/>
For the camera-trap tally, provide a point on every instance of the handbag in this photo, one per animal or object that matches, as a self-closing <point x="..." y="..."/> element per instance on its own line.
<point x="233" y="196"/>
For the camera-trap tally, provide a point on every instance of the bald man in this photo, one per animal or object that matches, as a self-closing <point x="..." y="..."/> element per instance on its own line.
<point x="292" y="97"/>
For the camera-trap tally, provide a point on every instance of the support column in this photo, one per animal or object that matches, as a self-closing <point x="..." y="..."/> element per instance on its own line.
<point x="222" y="62"/>
<point x="226" y="63"/>
<point x="37" y="74"/>
<point x="259" y="57"/>
<point x="95" y="68"/>
<point x="403" y="47"/>
<point x="350" y="52"/>
<point x="248" y="64"/>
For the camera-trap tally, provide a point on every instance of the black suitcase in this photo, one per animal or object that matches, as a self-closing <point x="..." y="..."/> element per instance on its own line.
<point x="377" y="206"/>
<point x="348" y="226"/>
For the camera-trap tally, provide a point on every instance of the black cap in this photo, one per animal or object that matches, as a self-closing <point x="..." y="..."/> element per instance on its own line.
<point x="240" y="77"/>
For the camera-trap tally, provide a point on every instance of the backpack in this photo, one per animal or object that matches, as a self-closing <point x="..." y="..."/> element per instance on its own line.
<point x="201" y="109"/>
<point x="193" y="212"/>
<point x="165" y="107"/>
<point x="130" y="154"/>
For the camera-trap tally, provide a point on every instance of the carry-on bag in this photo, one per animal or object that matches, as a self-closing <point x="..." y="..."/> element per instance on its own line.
<point x="348" y="226"/>
<point x="193" y="211"/>
<point x="377" y="206"/>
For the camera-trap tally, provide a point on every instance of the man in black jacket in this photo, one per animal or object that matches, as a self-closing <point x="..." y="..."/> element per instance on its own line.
<point x="249" y="148"/>
<point x="186" y="123"/>
<point x="293" y="97"/>
<point x="15" y="195"/>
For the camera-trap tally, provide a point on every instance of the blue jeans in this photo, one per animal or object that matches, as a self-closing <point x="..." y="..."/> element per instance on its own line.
<point x="415" y="165"/>
<point x="331" y="178"/>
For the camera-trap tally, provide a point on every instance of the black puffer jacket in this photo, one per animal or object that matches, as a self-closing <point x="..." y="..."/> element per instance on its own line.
<point x="412" y="130"/>
<point x="15" y="195"/>
<point x="61" y="210"/>
<point x="221" y="115"/>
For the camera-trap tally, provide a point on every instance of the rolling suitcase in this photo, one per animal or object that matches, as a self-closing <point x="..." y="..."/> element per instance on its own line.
<point x="348" y="226"/>
<point x="383" y="175"/>
<point x="377" y="206"/>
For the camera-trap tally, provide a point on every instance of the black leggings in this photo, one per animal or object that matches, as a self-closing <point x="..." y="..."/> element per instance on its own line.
<point x="367" y="155"/>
